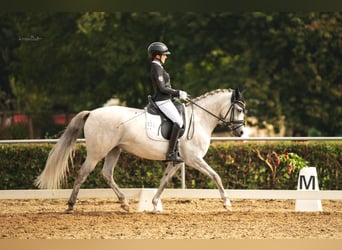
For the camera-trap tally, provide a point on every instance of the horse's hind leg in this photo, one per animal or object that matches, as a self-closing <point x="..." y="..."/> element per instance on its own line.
<point x="168" y="173"/>
<point x="107" y="173"/>
<point x="83" y="173"/>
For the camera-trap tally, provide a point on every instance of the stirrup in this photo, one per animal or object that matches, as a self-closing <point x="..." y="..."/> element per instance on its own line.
<point x="174" y="158"/>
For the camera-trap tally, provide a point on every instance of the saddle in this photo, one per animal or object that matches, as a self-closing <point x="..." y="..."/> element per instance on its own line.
<point x="158" y="125"/>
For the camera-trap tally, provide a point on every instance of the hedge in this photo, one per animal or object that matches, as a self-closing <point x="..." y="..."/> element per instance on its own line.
<point x="241" y="165"/>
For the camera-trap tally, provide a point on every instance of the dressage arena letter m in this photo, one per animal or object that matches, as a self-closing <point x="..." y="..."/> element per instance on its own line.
<point x="308" y="181"/>
<point x="302" y="180"/>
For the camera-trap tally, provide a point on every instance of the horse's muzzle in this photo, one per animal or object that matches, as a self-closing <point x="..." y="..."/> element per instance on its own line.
<point x="238" y="132"/>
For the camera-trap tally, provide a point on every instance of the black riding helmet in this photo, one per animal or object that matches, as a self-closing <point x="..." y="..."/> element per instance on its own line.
<point x="157" y="48"/>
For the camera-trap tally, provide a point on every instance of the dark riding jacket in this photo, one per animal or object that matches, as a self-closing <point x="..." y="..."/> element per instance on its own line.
<point x="162" y="84"/>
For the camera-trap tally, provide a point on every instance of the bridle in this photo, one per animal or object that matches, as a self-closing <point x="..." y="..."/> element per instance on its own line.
<point x="232" y="124"/>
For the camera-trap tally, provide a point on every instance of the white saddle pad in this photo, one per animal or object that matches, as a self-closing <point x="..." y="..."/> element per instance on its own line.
<point x="153" y="126"/>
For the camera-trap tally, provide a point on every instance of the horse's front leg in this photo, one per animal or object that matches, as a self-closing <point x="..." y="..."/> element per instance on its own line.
<point x="168" y="173"/>
<point x="203" y="167"/>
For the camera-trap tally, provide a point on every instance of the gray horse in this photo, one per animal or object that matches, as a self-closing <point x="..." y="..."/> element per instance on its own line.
<point x="108" y="130"/>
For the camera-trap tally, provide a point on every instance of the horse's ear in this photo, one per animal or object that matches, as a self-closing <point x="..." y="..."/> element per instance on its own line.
<point x="233" y="96"/>
<point x="242" y="91"/>
<point x="237" y="94"/>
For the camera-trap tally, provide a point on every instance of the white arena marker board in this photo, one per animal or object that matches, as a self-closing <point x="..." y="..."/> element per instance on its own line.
<point x="308" y="181"/>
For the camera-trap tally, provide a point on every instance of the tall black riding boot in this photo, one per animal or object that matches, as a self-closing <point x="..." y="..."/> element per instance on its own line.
<point x="172" y="153"/>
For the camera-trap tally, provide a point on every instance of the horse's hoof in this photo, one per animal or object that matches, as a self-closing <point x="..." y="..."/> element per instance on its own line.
<point x="125" y="207"/>
<point x="227" y="205"/>
<point x="228" y="208"/>
<point x="156" y="210"/>
<point x="69" y="211"/>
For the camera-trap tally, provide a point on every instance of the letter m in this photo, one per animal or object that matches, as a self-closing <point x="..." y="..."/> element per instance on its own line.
<point x="302" y="181"/>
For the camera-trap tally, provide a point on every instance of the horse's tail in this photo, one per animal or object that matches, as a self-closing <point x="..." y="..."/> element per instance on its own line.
<point x="56" y="166"/>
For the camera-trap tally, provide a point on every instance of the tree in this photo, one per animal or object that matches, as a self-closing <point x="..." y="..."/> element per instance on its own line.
<point x="40" y="63"/>
<point x="289" y="62"/>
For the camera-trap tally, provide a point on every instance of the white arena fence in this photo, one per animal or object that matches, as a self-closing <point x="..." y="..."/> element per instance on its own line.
<point x="182" y="192"/>
<point x="213" y="139"/>
<point x="134" y="193"/>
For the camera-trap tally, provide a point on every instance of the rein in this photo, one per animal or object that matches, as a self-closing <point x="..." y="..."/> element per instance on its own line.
<point x="230" y="124"/>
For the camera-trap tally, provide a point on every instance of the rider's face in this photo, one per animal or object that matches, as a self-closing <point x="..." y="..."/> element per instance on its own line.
<point x="162" y="58"/>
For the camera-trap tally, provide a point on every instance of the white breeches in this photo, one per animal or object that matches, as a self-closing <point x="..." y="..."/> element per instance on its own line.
<point x="169" y="109"/>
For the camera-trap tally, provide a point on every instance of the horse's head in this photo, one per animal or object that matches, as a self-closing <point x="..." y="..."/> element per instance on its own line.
<point x="236" y="113"/>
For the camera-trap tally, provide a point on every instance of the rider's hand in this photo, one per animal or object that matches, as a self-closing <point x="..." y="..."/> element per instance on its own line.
<point x="183" y="95"/>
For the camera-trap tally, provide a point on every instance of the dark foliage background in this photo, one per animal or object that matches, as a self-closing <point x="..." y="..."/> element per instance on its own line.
<point x="65" y="62"/>
<point x="237" y="163"/>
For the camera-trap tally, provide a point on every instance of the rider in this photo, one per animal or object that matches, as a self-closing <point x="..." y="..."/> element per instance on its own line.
<point x="157" y="52"/>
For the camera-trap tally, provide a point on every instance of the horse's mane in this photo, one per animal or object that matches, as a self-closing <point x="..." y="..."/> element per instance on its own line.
<point x="213" y="92"/>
